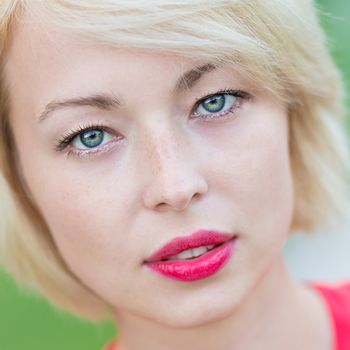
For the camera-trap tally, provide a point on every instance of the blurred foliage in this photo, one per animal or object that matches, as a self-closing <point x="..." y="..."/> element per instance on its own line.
<point x="335" y="18"/>
<point x="28" y="322"/>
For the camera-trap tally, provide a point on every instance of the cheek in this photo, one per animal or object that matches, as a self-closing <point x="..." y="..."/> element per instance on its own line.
<point x="258" y="179"/>
<point x="82" y="209"/>
<point x="267" y="189"/>
<point x="87" y="223"/>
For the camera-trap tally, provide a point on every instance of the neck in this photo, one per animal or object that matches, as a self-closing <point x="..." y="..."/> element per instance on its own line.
<point x="277" y="314"/>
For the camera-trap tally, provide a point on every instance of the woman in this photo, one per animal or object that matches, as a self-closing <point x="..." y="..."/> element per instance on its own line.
<point x="156" y="155"/>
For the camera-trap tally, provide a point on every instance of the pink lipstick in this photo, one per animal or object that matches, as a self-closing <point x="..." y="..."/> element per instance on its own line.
<point x="194" y="257"/>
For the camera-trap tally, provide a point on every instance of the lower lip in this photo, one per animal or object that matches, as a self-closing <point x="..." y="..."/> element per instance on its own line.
<point x="196" y="269"/>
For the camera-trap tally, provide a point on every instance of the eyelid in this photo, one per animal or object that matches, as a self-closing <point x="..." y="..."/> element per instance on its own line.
<point x="89" y="153"/>
<point x="66" y="139"/>
<point x="238" y="93"/>
<point x="243" y="95"/>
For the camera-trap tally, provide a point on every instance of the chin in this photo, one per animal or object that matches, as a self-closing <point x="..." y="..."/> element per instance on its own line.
<point x="182" y="317"/>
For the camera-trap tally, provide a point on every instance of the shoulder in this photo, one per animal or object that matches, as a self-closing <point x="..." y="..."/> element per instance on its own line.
<point x="337" y="299"/>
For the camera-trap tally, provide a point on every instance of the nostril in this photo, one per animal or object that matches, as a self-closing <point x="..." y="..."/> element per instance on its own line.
<point x="197" y="195"/>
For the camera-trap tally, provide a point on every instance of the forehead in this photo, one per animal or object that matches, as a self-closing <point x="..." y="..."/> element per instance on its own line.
<point x="193" y="30"/>
<point x="43" y="62"/>
<point x="38" y="48"/>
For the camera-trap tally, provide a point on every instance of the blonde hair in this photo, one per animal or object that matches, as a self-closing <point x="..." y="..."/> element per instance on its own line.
<point x="277" y="43"/>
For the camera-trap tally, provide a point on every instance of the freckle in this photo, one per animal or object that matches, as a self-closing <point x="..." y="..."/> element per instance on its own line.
<point x="160" y="150"/>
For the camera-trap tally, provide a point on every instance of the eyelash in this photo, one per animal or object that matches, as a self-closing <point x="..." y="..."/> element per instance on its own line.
<point x="65" y="140"/>
<point x="239" y="94"/>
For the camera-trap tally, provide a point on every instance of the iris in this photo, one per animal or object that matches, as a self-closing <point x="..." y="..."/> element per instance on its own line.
<point x="214" y="104"/>
<point x="92" y="138"/>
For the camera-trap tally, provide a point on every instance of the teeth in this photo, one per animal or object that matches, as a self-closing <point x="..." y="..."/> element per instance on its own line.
<point x="191" y="253"/>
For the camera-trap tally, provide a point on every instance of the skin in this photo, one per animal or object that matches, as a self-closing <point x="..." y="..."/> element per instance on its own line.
<point x="164" y="175"/>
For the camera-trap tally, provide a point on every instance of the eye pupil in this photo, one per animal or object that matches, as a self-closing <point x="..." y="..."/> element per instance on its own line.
<point x="92" y="138"/>
<point x="214" y="104"/>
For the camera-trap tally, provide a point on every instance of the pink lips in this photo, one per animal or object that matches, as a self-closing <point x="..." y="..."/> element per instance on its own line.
<point x="196" y="268"/>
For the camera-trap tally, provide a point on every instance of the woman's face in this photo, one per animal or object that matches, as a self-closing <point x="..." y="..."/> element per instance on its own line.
<point x="153" y="166"/>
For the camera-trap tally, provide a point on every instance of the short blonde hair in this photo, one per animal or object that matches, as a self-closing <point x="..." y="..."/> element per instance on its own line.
<point x="277" y="43"/>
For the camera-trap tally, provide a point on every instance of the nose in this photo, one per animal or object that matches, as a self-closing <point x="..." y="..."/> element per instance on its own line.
<point x="174" y="176"/>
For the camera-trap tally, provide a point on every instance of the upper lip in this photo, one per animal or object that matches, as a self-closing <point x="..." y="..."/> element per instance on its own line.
<point x="197" y="239"/>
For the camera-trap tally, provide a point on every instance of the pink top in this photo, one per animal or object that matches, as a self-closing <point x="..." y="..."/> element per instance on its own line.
<point x="337" y="299"/>
<point x="111" y="346"/>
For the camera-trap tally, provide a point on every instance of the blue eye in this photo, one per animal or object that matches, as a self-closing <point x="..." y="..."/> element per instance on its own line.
<point x="216" y="104"/>
<point x="91" y="139"/>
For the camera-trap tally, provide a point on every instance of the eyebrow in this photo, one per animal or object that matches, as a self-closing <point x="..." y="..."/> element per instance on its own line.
<point x="108" y="101"/>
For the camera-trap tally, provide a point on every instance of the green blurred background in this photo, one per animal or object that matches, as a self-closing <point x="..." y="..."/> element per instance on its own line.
<point x="29" y="323"/>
